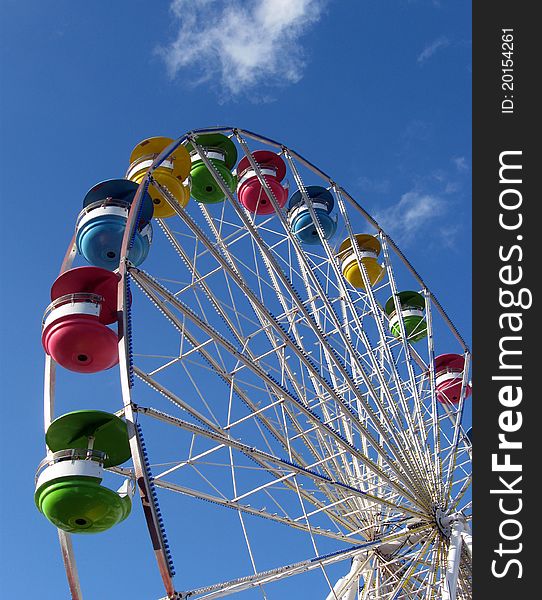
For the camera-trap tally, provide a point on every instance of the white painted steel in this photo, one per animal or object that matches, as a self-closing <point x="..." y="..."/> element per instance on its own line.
<point x="449" y="591"/>
<point x="70" y="468"/>
<point x="302" y="208"/>
<point x="73" y="308"/>
<point x="145" y="164"/>
<point x="214" y="154"/>
<point x="411" y="312"/>
<point x="100" y="211"/>
<point x="250" y="173"/>
<point x="49" y="389"/>
<point x="451" y="376"/>
<point x="326" y="425"/>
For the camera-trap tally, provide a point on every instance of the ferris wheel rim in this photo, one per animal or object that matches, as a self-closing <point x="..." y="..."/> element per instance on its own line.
<point x="125" y="272"/>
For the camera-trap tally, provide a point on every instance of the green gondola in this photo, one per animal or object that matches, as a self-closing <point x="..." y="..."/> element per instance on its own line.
<point x="413" y="313"/>
<point x="69" y="491"/>
<point x="222" y="153"/>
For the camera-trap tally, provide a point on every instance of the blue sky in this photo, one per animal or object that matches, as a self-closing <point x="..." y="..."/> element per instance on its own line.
<point x="376" y="93"/>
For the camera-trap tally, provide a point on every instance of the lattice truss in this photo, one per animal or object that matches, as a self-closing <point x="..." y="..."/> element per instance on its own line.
<point x="265" y="383"/>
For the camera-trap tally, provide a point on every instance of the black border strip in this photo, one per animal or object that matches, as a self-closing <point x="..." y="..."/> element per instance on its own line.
<point x="506" y="116"/>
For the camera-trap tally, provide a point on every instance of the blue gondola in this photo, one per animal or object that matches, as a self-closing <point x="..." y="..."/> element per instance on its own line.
<point x="101" y="224"/>
<point x="300" y="219"/>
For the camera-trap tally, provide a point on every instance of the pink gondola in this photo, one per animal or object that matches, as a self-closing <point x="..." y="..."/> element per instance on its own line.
<point x="449" y="378"/>
<point x="250" y="191"/>
<point x="75" y="332"/>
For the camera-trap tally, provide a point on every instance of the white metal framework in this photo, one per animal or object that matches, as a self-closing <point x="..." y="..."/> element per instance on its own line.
<point x="284" y="396"/>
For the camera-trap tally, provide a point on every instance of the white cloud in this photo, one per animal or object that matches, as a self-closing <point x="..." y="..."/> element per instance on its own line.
<point x="429" y="51"/>
<point x="380" y="186"/>
<point x="411" y="216"/>
<point x="460" y="163"/>
<point x="452" y="187"/>
<point x="448" y="235"/>
<point x="244" y="44"/>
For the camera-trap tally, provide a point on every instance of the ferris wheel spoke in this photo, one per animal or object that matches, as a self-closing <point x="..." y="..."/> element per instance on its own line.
<point x="461" y="494"/>
<point x="326" y="455"/>
<point x="213" y="427"/>
<point x="310" y="529"/>
<point x="263" y="310"/>
<point x="324" y="242"/>
<point x="149" y="285"/>
<point x="433" y="588"/>
<point x="418" y="425"/>
<point x="347" y="429"/>
<point x="263" y="249"/>
<point x="255" y="412"/>
<point x="413" y="565"/>
<point x="406" y="427"/>
<point x="356" y="206"/>
<point x="290" y="468"/>
<point x="315" y="383"/>
<point x="437" y="463"/>
<point x="357" y="502"/>
<point x="248" y="510"/>
<point x="456" y="433"/>
<point x="331" y="261"/>
<point x="287" y="387"/>
<point x="223" y="501"/>
<point x="242" y="521"/>
<point x="230" y="587"/>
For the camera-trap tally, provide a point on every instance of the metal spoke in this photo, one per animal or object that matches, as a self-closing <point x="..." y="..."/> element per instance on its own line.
<point x="284" y="391"/>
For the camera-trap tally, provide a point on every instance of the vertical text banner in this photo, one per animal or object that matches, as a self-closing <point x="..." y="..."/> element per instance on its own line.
<point x="507" y="349"/>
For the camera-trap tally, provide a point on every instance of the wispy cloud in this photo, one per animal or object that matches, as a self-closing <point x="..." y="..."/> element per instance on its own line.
<point x="431" y="49"/>
<point x="460" y="163"/>
<point x="448" y="235"/>
<point x="411" y="216"/>
<point x="242" y="44"/>
<point x="380" y="186"/>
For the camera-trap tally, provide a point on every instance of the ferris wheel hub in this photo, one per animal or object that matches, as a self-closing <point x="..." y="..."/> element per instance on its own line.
<point x="444" y="521"/>
<point x="315" y="338"/>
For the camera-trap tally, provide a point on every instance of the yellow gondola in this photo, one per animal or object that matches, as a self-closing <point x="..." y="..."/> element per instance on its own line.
<point x="369" y="249"/>
<point x="172" y="173"/>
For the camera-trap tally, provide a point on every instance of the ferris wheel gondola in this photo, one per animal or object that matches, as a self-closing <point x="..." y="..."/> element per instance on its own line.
<point x="290" y="348"/>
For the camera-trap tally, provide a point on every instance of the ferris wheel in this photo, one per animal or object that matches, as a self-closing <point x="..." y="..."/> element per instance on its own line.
<point x="279" y="357"/>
